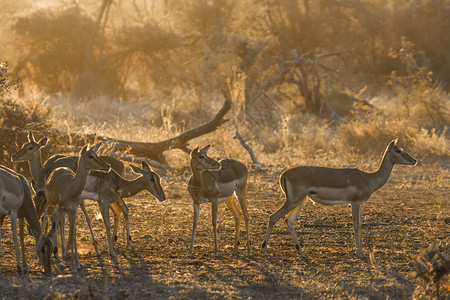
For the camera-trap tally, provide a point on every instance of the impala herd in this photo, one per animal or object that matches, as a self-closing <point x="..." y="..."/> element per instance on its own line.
<point x="63" y="183"/>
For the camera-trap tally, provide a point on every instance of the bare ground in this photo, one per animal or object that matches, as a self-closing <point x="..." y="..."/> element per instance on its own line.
<point x="406" y="215"/>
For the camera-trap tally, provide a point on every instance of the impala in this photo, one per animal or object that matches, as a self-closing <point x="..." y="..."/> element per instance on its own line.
<point x="215" y="182"/>
<point x="329" y="186"/>
<point x="110" y="187"/>
<point x="31" y="152"/>
<point x="17" y="203"/>
<point x="63" y="194"/>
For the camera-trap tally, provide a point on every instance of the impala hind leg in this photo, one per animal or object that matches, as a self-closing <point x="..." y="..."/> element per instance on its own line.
<point x="288" y="205"/>
<point x="290" y="221"/>
<point x="88" y="221"/>
<point x="194" y="227"/>
<point x="116" y="215"/>
<point x="241" y="195"/>
<point x="237" y="219"/>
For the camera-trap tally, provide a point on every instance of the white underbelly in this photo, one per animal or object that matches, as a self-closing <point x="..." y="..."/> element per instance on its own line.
<point x="332" y="196"/>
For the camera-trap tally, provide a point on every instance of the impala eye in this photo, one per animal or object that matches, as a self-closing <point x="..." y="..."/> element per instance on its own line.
<point x="152" y="179"/>
<point x="31" y="147"/>
<point x="90" y="156"/>
<point x="201" y="156"/>
<point x="398" y="150"/>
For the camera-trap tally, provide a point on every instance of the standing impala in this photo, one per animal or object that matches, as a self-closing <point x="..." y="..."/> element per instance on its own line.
<point x="215" y="182"/>
<point x="110" y="187"/>
<point x="333" y="186"/>
<point x="16" y="202"/>
<point x="63" y="193"/>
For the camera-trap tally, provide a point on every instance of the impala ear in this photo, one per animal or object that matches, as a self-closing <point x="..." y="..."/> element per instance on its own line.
<point x="393" y="143"/>
<point x="194" y="152"/>
<point x="43" y="142"/>
<point x="146" y="166"/>
<point x="84" y="149"/>
<point x="96" y="147"/>
<point x="30" y="137"/>
<point x="205" y="149"/>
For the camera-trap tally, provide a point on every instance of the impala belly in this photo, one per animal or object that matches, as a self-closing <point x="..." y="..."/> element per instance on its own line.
<point x="9" y="201"/>
<point x="226" y="190"/>
<point x="332" y="196"/>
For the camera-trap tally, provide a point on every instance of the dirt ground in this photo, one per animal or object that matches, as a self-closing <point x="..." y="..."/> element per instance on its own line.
<point x="402" y="218"/>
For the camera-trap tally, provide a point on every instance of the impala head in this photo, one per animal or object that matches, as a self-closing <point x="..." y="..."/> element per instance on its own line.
<point x="200" y="161"/>
<point x="90" y="159"/>
<point x="398" y="156"/>
<point x="152" y="182"/>
<point x="30" y="150"/>
<point x="44" y="250"/>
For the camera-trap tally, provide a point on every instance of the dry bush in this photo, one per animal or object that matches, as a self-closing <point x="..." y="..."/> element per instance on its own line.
<point x="15" y="117"/>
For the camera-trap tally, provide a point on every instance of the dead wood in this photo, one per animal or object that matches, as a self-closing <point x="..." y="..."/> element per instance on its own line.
<point x="155" y="150"/>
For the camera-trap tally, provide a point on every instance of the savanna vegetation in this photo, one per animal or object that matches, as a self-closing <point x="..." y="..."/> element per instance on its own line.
<point x="312" y="82"/>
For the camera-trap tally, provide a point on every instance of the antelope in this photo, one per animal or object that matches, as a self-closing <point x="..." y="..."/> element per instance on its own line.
<point x="63" y="191"/>
<point x="17" y="203"/>
<point x="329" y="186"/>
<point x="31" y="152"/>
<point x="215" y="182"/>
<point x="110" y="187"/>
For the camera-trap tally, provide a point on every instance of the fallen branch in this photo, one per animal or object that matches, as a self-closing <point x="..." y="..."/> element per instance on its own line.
<point x="155" y="151"/>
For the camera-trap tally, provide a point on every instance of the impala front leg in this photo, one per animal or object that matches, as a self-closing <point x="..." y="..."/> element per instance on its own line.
<point x="73" y="246"/>
<point x="356" y="215"/>
<point x="13" y="219"/>
<point x="194" y="227"/>
<point x="214" y="207"/>
<point x="124" y="208"/>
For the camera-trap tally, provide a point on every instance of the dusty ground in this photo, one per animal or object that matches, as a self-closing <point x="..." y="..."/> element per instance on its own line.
<point x="399" y="220"/>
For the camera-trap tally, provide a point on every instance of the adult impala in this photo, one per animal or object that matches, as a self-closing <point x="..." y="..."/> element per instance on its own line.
<point x="329" y="186"/>
<point x="63" y="193"/>
<point x="110" y="187"/>
<point x="215" y="182"/>
<point x="16" y="202"/>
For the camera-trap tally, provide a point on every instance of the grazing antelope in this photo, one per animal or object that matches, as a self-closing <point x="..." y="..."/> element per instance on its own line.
<point x="63" y="194"/>
<point x="17" y="203"/>
<point x="110" y="187"/>
<point x="215" y="182"/>
<point x="329" y="186"/>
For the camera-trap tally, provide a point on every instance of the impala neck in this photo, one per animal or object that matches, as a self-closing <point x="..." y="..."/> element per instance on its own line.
<point x="132" y="187"/>
<point x="80" y="178"/>
<point x="380" y="176"/>
<point x="35" y="166"/>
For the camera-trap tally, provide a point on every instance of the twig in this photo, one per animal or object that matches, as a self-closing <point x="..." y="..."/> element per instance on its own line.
<point x="255" y="160"/>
